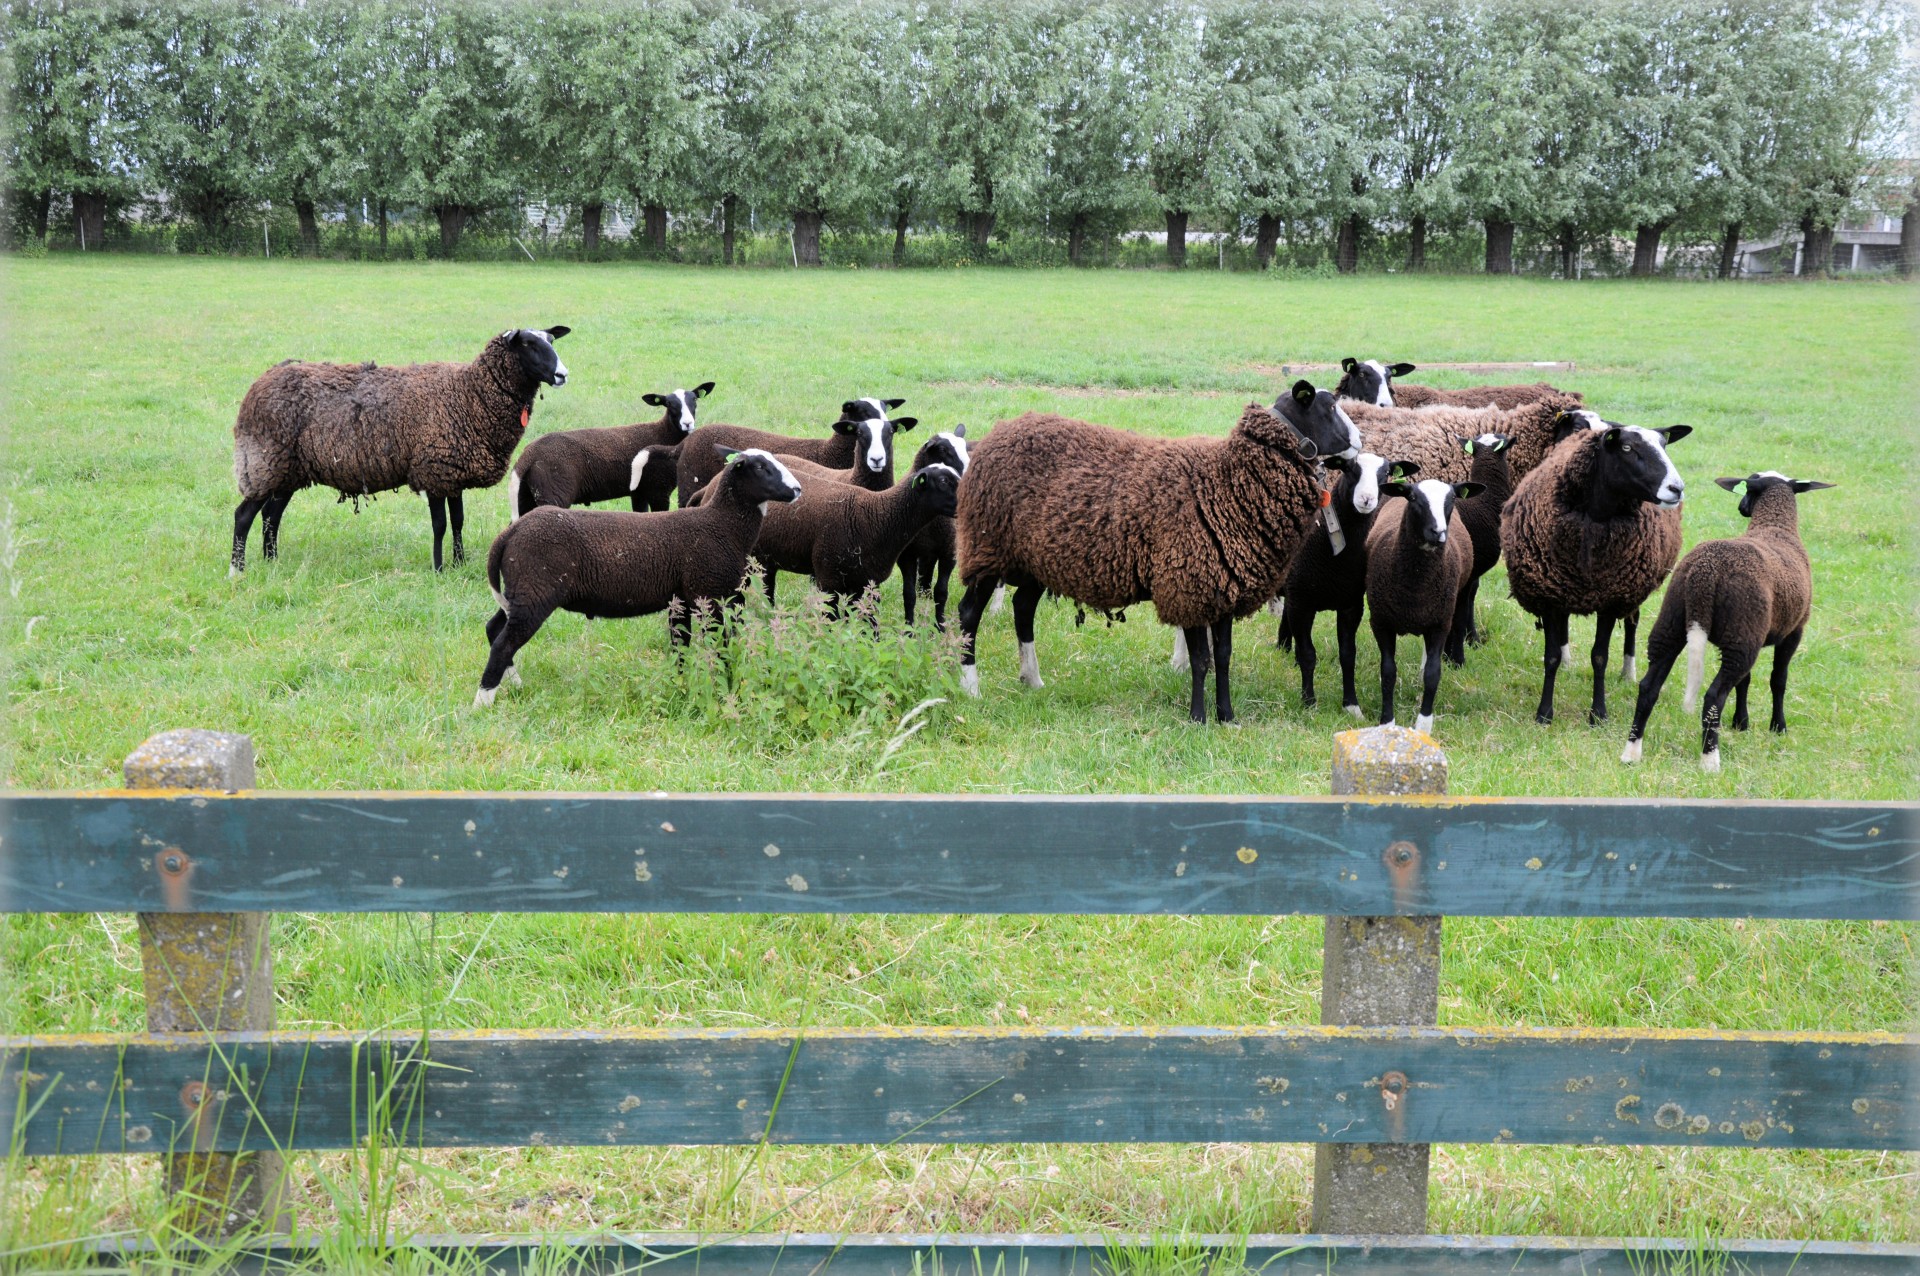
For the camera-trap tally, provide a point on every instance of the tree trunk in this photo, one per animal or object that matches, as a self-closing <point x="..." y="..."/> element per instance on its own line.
<point x="1570" y="250"/>
<point x="1499" y="246"/>
<point x="1729" y="250"/>
<point x="1266" y="239"/>
<point x="1077" y="238"/>
<point x="1646" y="246"/>
<point x="1909" y="262"/>
<point x="1176" y="239"/>
<point x="309" y="227"/>
<point x="89" y="221"/>
<point x="453" y="220"/>
<point x="1816" y="254"/>
<point x="806" y="235"/>
<point x="1346" y="249"/>
<point x="380" y="211"/>
<point x="1417" y="244"/>
<point x="901" y="216"/>
<point x="727" y="204"/>
<point x="590" y="215"/>
<point x="39" y="206"/>
<point x="653" y="219"/>
<point x="978" y="225"/>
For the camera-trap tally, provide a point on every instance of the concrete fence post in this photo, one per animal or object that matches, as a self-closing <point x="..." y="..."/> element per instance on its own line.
<point x="1376" y="972"/>
<point x="207" y="972"/>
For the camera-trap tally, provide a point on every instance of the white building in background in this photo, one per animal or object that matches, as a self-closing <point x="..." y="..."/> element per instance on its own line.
<point x="1867" y="243"/>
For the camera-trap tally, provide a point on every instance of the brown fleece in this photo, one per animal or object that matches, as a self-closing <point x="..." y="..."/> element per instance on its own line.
<point x="1406" y="395"/>
<point x="1558" y="558"/>
<point x="1433" y="435"/>
<point x="1413" y="587"/>
<point x="836" y="451"/>
<point x="845" y="537"/>
<point x="1748" y="592"/>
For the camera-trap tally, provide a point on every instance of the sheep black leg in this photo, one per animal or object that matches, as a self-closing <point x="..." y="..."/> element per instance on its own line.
<point x="973" y="605"/>
<point x="457" y="520"/>
<point x="1456" y="636"/>
<point x="1199" y="656"/>
<point x="1664" y="646"/>
<point x="1734" y="665"/>
<point x="1740" y="690"/>
<point x="1026" y="601"/>
<point x="521" y="624"/>
<point x="1283" y="637"/>
<point x="907" y="591"/>
<point x="1554" y="625"/>
<point x="437" y="514"/>
<point x="1300" y="622"/>
<point x="1389" y="672"/>
<point x="1475" y="636"/>
<point x="243" y="516"/>
<point x="1782" y="657"/>
<point x="1222" y="670"/>
<point x="1347" y="622"/>
<point x="1631" y="626"/>
<point x="495" y="625"/>
<point x="1436" y="643"/>
<point x="270" y="524"/>
<point x="768" y="578"/>
<point x="1602" y="637"/>
<point x="943" y="577"/>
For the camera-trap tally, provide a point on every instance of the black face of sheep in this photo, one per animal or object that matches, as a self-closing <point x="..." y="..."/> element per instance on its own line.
<point x="1568" y="424"/>
<point x="1758" y="483"/>
<point x="1365" y="479"/>
<point x="1637" y="467"/>
<point x="1369" y="380"/>
<point x="758" y="476"/>
<point x="937" y="487"/>
<point x="537" y="356"/>
<point x="1430" y="502"/>
<point x="949" y="447"/>
<point x="1317" y="417"/>
<point x="679" y="406"/>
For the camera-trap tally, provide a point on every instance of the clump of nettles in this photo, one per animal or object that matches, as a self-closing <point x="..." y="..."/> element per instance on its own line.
<point x="792" y="675"/>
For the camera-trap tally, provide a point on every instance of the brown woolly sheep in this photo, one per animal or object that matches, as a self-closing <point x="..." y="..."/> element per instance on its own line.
<point x="1418" y="559"/>
<point x="837" y="451"/>
<point x="1741" y="595"/>
<point x="1481" y="514"/>
<point x="580" y="467"/>
<point x="1593" y="530"/>
<point x="438" y="428"/>
<point x="611" y="563"/>
<point x="848" y="538"/>
<point x="1204" y="527"/>
<point x="1370" y="381"/>
<point x="1435" y="436"/>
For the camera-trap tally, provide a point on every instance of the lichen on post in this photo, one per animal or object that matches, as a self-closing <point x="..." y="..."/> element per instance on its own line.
<point x="1377" y="972"/>
<point x="207" y="972"/>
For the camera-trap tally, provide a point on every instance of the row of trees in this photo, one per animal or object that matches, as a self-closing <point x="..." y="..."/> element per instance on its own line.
<point x="1074" y="118"/>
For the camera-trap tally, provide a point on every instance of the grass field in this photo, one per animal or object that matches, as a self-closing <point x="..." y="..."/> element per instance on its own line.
<point x="353" y="666"/>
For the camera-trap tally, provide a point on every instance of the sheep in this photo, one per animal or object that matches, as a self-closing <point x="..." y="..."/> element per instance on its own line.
<point x="438" y="428"/>
<point x="1329" y="573"/>
<point x="926" y="564"/>
<point x="1752" y="591"/>
<point x="872" y="467"/>
<point x="1434" y="436"/>
<point x="580" y="467"/>
<point x="1370" y="381"/>
<point x="1204" y="527"/>
<point x="848" y="538"/>
<point x="611" y="563"/>
<point x="836" y="451"/>
<point x="1481" y="515"/>
<point x="1419" y="556"/>
<point x="1593" y="529"/>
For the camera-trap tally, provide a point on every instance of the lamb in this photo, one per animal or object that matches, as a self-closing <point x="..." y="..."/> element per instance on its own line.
<point x="847" y="538"/>
<point x="1593" y="529"/>
<point x="1419" y="557"/>
<point x="438" y="428"/>
<point x="872" y="468"/>
<point x="613" y="563"/>
<point x="1370" y="381"/>
<point x="926" y="564"/>
<point x="1481" y="515"/>
<point x="836" y="451"/>
<point x="1329" y="573"/>
<point x="1434" y="436"/>
<point x="1204" y="527"/>
<point x="1743" y="594"/>
<point x="580" y="467"/>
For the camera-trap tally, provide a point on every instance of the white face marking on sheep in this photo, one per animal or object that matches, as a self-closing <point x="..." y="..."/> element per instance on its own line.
<point x="959" y="446"/>
<point x="793" y="484"/>
<point x="1353" y="432"/>
<point x="1774" y="474"/>
<point x="874" y="432"/>
<point x="1366" y="487"/>
<point x="1672" y="486"/>
<point x="1487" y="441"/>
<point x="1431" y="495"/>
<point x="1382" y="397"/>
<point x="879" y="408"/>
<point x="559" y="368"/>
<point x="686" y="410"/>
<point x="1591" y="418"/>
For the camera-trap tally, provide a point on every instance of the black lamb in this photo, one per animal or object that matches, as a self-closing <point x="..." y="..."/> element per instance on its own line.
<point x="582" y="467"/>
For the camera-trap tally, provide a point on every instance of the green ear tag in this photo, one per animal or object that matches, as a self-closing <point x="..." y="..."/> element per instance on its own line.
<point x="732" y="457"/>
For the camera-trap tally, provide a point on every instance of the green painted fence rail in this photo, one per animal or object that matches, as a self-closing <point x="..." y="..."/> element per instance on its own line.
<point x="976" y="1085"/>
<point x="726" y="853"/>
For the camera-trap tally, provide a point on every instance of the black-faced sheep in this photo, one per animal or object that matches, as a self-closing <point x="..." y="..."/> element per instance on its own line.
<point x="1435" y="436"/>
<point x="1742" y="595"/>
<point x="1593" y="530"/>
<point x="1203" y="527"/>
<point x="837" y="451"/>
<point x="581" y="467"/>
<point x="1329" y="573"/>
<point x="1370" y="381"/>
<point x="1481" y="514"/>
<point x="616" y="564"/>
<point x="848" y="538"/>
<point x="1418" y="559"/>
<point x="926" y="564"/>
<point x="360" y="429"/>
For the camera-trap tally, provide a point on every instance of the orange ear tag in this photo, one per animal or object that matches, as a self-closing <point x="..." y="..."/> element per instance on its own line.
<point x="525" y="415"/>
<point x="1326" y="498"/>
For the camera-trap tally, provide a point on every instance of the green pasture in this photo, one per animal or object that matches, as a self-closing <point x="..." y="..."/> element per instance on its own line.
<point x="353" y="665"/>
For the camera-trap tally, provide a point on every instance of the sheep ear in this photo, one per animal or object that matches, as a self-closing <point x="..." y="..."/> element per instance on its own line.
<point x="1730" y="483"/>
<point x="1674" y="433"/>
<point x="1396" y="489"/>
<point x="1349" y="363"/>
<point x="920" y="479"/>
<point x="1467" y="445"/>
<point x="1303" y="392"/>
<point x="1336" y="462"/>
<point x="657" y="400"/>
<point x="512" y="335"/>
<point x="702" y="390"/>
<point x="891" y="404"/>
<point x="724" y="452"/>
<point x="1466" y="491"/>
<point x="1400" y="369"/>
<point x="1611" y="439"/>
<point x="558" y="331"/>
<point x="901" y="423"/>
<point x="1809" y="485"/>
<point x="1403" y="469"/>
<point x="959" y="431"/>
<point x="1505" y="442"/>
<point x="844" y="426"/>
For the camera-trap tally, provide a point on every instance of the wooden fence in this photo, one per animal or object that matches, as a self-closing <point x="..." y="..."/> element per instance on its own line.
<point x="204" y="861"/>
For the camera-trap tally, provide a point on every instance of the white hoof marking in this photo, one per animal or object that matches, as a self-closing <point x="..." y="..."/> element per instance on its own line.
<point x="1354" y="711"/>
<point x="512" y="677"/>
<point x="483" y="697"/>
<point x="1710" y="761"/>
<point x="1424" y="724"/>
<point x="1030" y="666"/>
<point x="998" y="601"/>
<point x="970" y="679"/>
<point x="1179" y="658"/>
<point x="1628" y="671"/>
<point x="1631" y="753"/>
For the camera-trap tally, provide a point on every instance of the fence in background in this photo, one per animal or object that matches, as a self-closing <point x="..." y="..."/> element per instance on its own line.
<point x="205" y="861"/>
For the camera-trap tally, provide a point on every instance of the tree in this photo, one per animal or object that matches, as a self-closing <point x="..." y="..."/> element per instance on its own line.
<point x="1422" y="69"/>
<point x="296" y="126"/>
<point x="206" y="96"/>
<point x="1089" y="110"/>
<point x="726" y="109"/>
<point x="1268" y="59"/>
<point x="1361" y="152"/>
<point x="1180" y="114"/>
<point x="985" y="135"/>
